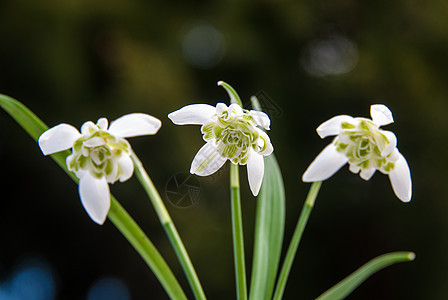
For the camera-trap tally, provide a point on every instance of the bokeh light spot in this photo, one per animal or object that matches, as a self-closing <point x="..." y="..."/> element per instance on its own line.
<point x="32" y="280"/>
<point x="334" y="55"/>
<point x="203" y="46"/>
<point x="109" y="288"/>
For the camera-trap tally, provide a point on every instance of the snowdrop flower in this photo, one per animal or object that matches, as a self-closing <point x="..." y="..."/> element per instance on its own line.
<point x="100" y="155"/>
<point x="231" y="133"/>
<point x="366" y="148"/>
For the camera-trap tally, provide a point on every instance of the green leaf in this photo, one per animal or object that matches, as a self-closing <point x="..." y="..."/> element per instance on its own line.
<point x="117" y="214"/>
<point x="346" y="286"/>
<point x="269" y="229"/>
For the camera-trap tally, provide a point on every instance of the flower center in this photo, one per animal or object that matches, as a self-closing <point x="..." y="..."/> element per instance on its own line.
<point x="234" y="135"/>
<point x="98" y="153"/>
<point x="363" y="145"/>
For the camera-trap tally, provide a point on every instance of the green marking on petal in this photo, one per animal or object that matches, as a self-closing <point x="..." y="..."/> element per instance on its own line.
<point x="346" y="125"/>
<point x="389" y="167"/>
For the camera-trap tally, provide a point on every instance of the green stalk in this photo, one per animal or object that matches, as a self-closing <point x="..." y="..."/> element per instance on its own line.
<point x="169" y="227"/>
<point x="237" y="231"/>
<point x="137" y="238"/>
<point x="117" y="214"/>
<point x="295" y="241"/>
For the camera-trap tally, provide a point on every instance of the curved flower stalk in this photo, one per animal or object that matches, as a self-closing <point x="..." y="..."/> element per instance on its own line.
<point x="365" y="147"/>
<point x="231" y="133"/>
<point x="100" y="155"/>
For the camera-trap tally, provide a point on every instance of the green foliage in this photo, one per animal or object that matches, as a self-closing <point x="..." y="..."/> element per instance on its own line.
<point x="346" y="286"/>
<point x="269" y="229"/>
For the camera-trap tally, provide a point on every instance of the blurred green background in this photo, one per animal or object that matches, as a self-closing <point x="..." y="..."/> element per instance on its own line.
<point x="74" y="60"/>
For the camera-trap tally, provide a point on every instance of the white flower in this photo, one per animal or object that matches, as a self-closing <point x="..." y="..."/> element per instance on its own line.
<point x="365" y="147"/>
<point x="231" y="133"/>
<point x="100" y="155"/>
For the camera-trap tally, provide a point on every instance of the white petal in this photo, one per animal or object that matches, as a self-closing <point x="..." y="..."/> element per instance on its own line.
<point x="102" y="123"/>
<point x="220" y="108"/>
<point x="126" y="167"/>
<point x="392" y="143"/>
<point x="255" y="171"/>
<point x="58" y="138"/>
<point x="194" y="114"/>
<point x="136" y="124"/>
<point x="354" y="168"/>
<point x="95" y="197"/>
<point x="87" y="127"/>
<point x="333" y="126"/>
<point x="366" y="174"/>
<point x="261" y="119"/>
<point x="381" y="115"/>
<point x="94" y="142"/>
<point x="400" y="178"/>
<point x="235" y="110"/>
<point x="328" y="162"/>
<point x="207" y="161"/>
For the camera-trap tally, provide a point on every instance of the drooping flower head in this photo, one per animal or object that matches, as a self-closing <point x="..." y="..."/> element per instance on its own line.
<point x="100" y="155"/>
<point x="231" y="133"/>
<point x="366" y="148"/>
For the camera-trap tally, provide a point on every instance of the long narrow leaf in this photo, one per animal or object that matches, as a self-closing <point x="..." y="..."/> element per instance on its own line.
<point x="269" y="229"/>
<point x="346" y="286"/>
<point x="117" y="214"/>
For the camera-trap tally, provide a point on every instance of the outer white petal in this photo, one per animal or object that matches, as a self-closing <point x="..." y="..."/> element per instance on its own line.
<point x="333" y="126"/>
<point x="366" y="174"/>
<point x="126" y="167"/>
<point x="381" y="115"/>
<point x="255" y="171"/>
<point x="58" y="138"/>
<point x="95" y="197"/>
<point x="207" y="161"/>
<point x="261" y="119"/>
<point x="194" y="114"/>
<point x="135" y="124"/>
<point x="400" y="178"/>
<point x="328" y="162"/>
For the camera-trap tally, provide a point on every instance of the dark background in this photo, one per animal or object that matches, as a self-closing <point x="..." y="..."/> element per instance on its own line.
<point x="75" y="60"/>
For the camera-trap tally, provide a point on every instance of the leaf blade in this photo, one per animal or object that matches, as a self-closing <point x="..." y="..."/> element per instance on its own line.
<point x="269" y="230"/>
<point x="350" y="283"/>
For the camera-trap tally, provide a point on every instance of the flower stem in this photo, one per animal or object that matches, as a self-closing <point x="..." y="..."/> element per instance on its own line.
<point x="237" y="231"/>
<point x="137" y="238"/>
<point x="169" y="227"/>
<point x="295" y="240"/>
